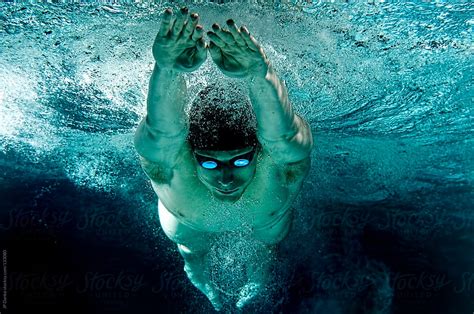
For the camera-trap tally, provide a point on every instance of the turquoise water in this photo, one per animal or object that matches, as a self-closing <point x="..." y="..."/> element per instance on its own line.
<point x="384" y="223"/>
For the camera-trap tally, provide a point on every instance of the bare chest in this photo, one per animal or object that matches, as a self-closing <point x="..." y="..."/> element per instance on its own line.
<point x="265" y="198"/>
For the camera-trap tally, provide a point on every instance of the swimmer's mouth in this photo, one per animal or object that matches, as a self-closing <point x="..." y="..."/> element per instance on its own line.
<point x="227" y="192"/>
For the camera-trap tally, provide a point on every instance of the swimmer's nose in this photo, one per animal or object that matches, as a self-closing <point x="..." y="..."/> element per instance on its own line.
<point x="227" y="178"/>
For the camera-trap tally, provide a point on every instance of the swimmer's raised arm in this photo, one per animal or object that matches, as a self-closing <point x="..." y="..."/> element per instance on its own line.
<point x="284" y="134"/>
<point x="178" y="47"/>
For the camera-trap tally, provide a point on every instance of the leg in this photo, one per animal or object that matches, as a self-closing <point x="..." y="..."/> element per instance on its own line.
<point x="197" y="269"/>
<point x="193" y="245"/>
<point x="258" y="273"/>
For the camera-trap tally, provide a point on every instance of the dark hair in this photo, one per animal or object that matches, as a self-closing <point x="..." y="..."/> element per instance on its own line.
<point x="222" y="118"/>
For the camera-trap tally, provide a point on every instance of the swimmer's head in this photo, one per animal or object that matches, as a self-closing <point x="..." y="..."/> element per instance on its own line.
<point x="221" y="118"/>
<point x="222" y="135"/>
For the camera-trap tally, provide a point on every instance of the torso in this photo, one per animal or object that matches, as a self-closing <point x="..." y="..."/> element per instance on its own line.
<point x="265" y="199"/>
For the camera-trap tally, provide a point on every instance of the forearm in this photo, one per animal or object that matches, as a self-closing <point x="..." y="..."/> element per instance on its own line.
<point x="165" y="102"/>
<point x="162" y="130"/>
<point x="270" y="101"/>
<point x="279" y="128"/>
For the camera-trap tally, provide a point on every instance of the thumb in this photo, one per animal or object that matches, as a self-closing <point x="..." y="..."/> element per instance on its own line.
<point x="201" y="51"/>
<point x="216" y="52"/>
<point x="200" y="45"/>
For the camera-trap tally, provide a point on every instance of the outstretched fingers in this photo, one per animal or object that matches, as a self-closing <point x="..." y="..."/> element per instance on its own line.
<point x="166" y="23"/>
<point x="190" y="26"/>
<point x="235" y="32"/>
<point x="224" y="35"/>
<point x="216" y="40"/>
<point x="198" y="33"/>
<point x="179" y="22"/>
<point x="249" y="39"/>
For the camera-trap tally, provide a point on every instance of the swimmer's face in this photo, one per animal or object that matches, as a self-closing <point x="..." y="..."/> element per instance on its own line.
<point x="226" y="173"/>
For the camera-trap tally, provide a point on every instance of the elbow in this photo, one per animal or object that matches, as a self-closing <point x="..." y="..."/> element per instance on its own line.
<point x="139" y="137"/>
<point x="287" y="152"/>
<point x="157" y="146"/>
<point x="299" y="147"/>
<point x="143" y="139"/>
<point x="304" y="140"/>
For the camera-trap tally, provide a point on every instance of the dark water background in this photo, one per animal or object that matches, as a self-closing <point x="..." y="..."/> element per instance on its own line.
<point x="384" y="223"/>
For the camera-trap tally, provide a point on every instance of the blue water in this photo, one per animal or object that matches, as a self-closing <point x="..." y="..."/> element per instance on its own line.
<point x="383" y="224"/>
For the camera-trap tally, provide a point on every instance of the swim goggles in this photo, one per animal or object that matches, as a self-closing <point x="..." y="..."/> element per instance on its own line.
<point x="238" y="162"/>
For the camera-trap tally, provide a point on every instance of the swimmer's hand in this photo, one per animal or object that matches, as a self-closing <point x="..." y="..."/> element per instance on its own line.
<point x="236" y="52"/>
<point x="179" y="44"/>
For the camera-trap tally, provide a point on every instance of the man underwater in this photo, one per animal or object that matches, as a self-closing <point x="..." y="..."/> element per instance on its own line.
<point x="236" y="164"/>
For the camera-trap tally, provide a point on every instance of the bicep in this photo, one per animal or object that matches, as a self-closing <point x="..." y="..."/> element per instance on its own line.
<point x="162" y="172"/>
<point x="159" y="153"/>
<point x="156" y="146"/>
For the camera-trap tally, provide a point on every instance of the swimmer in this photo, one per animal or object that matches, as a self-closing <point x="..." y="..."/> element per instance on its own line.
<point x="235" y="163"/>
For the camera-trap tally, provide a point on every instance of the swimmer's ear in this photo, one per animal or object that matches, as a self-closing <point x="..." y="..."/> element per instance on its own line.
<point x="216" y="53"/>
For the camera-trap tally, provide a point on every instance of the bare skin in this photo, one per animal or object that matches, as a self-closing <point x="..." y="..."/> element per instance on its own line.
<point x="197" y="205"/>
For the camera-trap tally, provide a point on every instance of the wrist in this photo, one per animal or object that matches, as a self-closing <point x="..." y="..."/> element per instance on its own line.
<point x="261" y="75"/>
<point x="166" y="70"/>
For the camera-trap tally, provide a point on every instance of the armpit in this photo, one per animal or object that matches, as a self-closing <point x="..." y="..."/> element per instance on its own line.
<point x="158" y="172"/>
<point x="297" y="171"/>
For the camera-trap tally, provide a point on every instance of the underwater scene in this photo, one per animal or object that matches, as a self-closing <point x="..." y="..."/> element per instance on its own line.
<point x="383" y="223"/>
